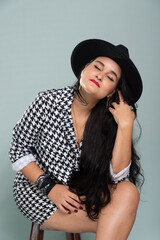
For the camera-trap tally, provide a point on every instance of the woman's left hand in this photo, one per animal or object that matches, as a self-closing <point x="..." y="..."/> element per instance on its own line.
<point x="122" y="113"/>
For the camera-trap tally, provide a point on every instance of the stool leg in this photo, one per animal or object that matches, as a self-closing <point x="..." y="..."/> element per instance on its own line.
<point x="41" y="233"/>
<point x="31" y="232"/>
<point x="36" y="233"/>
<point x="77" y="236"/>
<point x="69" y="236"/>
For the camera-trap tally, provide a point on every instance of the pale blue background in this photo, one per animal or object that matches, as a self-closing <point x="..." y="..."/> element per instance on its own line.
<point x="36" y="40"/>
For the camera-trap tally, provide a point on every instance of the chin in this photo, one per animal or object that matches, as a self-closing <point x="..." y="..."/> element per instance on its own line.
<point x="88" y="87"/>
<point x="89" y="90"/>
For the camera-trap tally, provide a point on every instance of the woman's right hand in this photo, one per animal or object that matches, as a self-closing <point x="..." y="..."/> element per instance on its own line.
<point x="64" y="199"/>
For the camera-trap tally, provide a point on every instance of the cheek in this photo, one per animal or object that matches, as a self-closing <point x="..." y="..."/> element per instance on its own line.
<point x="108" y="89"/>
<point x="83" y="78"/>
<point x="82" y="83"/>
<point x="83" y="74"/>
<point x="109" y="86"/>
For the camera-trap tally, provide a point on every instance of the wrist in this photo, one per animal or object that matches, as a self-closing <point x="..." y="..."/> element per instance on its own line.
<point x="51" y="192"/>
<point x="126" y="126"/>
<point x="45" y="183"/>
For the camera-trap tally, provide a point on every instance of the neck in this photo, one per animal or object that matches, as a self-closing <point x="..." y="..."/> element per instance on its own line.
<point x="80" y="107"/>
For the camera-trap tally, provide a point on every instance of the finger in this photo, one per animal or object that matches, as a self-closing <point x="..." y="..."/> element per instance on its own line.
<point x="114" y="104"/>
<point x="63" y="209"/>
<point x="70" y="207"/>
<point x="73" y="203"/>
<point x="82" y="198"/>
<point x="76" y="204"/>
<point x="120" y="96"/>
<point x="74" y="197"/>
<point x="111" y="110"/>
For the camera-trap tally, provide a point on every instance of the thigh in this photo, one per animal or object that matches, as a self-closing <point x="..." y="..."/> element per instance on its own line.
<point x="74" y="222"/>
<point x="79" y="222"/>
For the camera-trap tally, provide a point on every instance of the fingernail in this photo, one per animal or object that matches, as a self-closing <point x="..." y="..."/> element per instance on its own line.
<point x="81" y="207"/>
<point x="69" y="212"/>
<point x="75" y="210"/>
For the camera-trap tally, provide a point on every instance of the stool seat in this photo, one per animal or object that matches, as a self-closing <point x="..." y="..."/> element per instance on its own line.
<point x="37" y="233"/>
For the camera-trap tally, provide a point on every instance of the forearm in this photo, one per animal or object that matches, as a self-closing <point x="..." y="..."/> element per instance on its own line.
<point x="32" y="172"/>
<point x="121" y="154"/>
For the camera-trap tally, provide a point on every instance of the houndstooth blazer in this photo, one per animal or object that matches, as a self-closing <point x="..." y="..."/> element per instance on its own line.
<point x="45" y="134"/>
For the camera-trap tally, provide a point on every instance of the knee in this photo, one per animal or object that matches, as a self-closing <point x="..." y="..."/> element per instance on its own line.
<point x="128" y="194"/>
<point x="129" y="189"/>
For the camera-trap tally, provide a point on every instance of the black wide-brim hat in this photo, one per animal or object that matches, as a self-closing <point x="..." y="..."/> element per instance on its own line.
<point x="90" y="49"/>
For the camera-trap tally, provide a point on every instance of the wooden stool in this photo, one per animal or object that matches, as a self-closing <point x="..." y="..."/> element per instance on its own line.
<point x="37" y="233"/>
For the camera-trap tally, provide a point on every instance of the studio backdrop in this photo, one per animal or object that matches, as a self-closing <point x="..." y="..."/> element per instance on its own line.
<point x="36" y="41"/>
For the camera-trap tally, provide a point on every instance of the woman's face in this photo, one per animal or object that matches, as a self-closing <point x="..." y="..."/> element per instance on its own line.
<point x="100" y="77"/>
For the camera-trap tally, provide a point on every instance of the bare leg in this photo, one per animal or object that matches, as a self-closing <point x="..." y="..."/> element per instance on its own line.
<point x="115" y="220"/>
<point x="74" y="222"/>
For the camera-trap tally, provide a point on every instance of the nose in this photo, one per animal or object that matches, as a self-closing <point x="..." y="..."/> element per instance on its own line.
<point x="98" y="76"/>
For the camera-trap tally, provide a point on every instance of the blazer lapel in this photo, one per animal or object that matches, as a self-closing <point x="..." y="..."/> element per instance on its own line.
<point x="64" y="105"/>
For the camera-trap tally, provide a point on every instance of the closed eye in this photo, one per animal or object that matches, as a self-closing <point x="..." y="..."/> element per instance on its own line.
<point x="110" y="78"/>
<point x="100" y="70"/>
<point x="97" y="67"/>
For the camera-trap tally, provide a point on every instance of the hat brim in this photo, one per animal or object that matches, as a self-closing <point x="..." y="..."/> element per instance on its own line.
<point x="90" y="49"/>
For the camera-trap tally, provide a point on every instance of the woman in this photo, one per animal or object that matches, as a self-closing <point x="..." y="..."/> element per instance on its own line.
<point x="73" y="149"/>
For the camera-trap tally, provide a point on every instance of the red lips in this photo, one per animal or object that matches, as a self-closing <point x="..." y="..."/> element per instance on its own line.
<point x="95" y="82"/>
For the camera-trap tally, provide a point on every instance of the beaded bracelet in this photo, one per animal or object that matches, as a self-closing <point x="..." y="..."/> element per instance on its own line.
<point x="45" y="183"/>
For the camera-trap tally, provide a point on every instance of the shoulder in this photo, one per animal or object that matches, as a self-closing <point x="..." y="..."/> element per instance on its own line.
<point x="54" y="95"/>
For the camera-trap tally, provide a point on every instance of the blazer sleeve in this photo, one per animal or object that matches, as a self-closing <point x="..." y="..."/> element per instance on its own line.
<point x="120" y="176"/>
<point x="25" y="133"/>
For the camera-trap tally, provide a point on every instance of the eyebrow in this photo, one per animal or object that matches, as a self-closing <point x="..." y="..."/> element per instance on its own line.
<point x="110" y="71"/>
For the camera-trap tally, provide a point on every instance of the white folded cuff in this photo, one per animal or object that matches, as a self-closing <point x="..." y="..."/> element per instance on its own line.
<point x="120" y="175"/>
<point x="22" y="162"/>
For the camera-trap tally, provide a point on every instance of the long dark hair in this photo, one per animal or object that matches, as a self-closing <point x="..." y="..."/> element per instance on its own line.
<point x="93" y="178"/>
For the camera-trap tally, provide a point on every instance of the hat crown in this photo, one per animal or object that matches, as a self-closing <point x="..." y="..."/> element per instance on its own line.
<point x="123" y="49"/>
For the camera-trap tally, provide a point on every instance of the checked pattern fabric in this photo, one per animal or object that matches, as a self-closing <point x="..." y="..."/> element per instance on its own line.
<point x="45" y="134"/>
